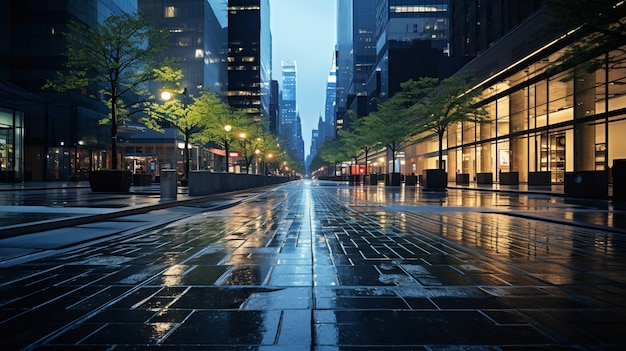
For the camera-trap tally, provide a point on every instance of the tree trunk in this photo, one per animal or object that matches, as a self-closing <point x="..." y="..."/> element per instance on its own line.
<point x="114" y="131"/>
<point x="187" y="154"/>
<point x="441" y="151"/>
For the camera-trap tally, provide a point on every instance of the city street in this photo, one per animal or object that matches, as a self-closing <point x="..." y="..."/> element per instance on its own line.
<point x="312" y="265"/>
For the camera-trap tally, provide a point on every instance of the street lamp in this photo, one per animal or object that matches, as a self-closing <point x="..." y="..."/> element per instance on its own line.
<point x="227" y="128"/>
<point x="166" y="96"/>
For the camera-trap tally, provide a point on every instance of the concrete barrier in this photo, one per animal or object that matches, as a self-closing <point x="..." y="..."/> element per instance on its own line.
<point x="208" y="182"/>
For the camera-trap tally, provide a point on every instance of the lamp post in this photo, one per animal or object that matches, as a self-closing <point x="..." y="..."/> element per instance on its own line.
<point x="227" y="128"/>
<point x="242" y="137"/>
<point x="166" y="96"/>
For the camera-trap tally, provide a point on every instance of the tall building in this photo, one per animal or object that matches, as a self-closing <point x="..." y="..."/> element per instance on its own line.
<point x="47" y="135"/>
<point x="289" y="127"/>
<point x="197" y="39"/>
<point x="249" y="57"/>
<point x="327" y="126"/>
<point x="356" y="53"/>
<point x="412" y="42"/>
<point x="475" y="25"/>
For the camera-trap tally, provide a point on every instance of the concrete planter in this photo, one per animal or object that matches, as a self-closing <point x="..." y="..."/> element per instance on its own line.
<point x="393" y="179"/>
<point x="110" y="181"/>
<point x="434" y="179"/>
<point x="540" y="178"/>
<point x="410" y="180"/>
<point x="618" y="173"/>
<point x="142" y="179"/>
<point x="484" y="178"/>
<point x="462" y="178"/>
<point x="587" y="184"/>
<point x="509" y="178"/>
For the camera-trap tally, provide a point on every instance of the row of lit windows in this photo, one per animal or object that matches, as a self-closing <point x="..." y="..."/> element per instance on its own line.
<point x="412" y="9"/>
<point x="243" y="59"/>
<point x="243" y="68"/>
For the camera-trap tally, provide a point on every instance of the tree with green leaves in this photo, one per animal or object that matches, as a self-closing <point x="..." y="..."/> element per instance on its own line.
<point x="451" y="101"/>
<point x="223" y="129"/>
<point x="116" y="59"/>
<point x="332" y="151"/>
<point x="394" y="123"/>
<point x="359" y="141"/>
<point x="189" y="116"/>
<point x="599" y="26"/>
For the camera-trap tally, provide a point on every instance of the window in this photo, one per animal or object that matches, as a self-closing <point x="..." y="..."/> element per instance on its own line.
<point x="170" y="11"/>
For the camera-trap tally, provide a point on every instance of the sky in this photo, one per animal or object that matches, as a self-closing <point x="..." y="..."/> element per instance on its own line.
<point x="304" y="31"/>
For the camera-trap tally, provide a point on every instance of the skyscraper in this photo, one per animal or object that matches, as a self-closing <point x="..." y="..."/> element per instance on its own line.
<point x="356" y="53"/>
<point x="412" y="39"/>
<point x="47" y="135"/>
<point x="475" y="25"/>
<point x="249" y="57"/>
<point x="197" y="39"/>
<point x="289" y="118"/>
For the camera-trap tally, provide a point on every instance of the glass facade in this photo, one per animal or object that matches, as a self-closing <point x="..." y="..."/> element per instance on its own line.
<point x="541" y="124"/>
<point x="249" y="57"/>
<point x="53" y="136"/>
<point x="11" y="145"/>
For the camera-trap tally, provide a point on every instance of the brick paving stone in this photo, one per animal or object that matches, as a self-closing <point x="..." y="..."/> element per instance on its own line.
<point x="328" y="268"/>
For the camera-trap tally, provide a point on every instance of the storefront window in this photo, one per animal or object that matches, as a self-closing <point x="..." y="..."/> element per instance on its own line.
<point x="502" y="121"/>
<point x="561" y="98"/>
<point x="541" y="105"/>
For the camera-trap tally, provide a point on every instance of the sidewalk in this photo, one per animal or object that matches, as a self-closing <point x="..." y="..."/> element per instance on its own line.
<point x="23" y="206"/>
<point x="326" y="266"/>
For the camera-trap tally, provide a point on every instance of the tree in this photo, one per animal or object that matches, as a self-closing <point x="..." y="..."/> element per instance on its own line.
<point x="332" y="152"/>
<point x="393" y="123"/>
<point x="115" y="58"/>
<point x="358" y="139"/>
<point x="223" y="128"/>
<point x="599" y="26"/>
<point x="249" y="140"/>
<point x="450" y="102"/>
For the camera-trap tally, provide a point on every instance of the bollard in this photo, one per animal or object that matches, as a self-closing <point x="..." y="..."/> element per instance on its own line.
<point x="169" y="184"/>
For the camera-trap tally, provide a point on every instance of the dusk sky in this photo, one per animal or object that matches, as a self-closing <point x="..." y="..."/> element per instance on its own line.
<point x="305" y="32"/>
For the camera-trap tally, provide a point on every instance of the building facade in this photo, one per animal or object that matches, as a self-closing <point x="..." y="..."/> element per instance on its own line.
<point x="47" y="135"/>
<point x="545" y="124"/>
<point x="249" y="57"/>
<point x="198" y="34"/>
<point x="356" y="55"/>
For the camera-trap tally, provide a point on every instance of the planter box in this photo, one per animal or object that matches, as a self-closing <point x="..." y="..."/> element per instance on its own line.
<point x="142" y="179"/>
<point x="509" y="178"/>
<point x="353" y="179"/>
<point x="540" y="178"/>
<point x="373" y="179"/>
<point x="110" y="181"/>
<point x="434" y="179"/>
<point x="462" y="178"/>
<point x="484" y="178"/>
<point x="410" y="180"/>
<point x="587" y="184"/>
<point x="618" y="173"/>
<point x="393" y="179"/>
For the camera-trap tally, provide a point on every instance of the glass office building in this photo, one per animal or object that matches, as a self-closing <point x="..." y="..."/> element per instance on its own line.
<point x="60" y="131"/>
<point x="249" y="57"/>
<point x="543" y="124"/>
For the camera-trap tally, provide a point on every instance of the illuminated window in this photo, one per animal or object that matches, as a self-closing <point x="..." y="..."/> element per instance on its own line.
<point x="170" y="11"/>
<point x="247" y="59"/>
<point x="199" y="53"/>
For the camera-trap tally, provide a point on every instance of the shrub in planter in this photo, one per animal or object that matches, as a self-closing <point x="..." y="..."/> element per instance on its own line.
<point x="110" y="181"/>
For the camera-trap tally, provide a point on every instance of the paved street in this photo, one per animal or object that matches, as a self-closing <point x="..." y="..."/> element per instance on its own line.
<point x="319" y="266"/>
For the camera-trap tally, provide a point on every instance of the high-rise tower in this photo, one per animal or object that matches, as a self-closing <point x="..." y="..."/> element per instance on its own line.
<point x="249" y="57"/>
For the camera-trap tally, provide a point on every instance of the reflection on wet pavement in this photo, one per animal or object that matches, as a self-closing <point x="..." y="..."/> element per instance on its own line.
<point x="308" y="267"/>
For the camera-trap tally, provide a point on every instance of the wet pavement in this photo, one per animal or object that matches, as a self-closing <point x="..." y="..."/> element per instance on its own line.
<point x="318" y="266"/>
